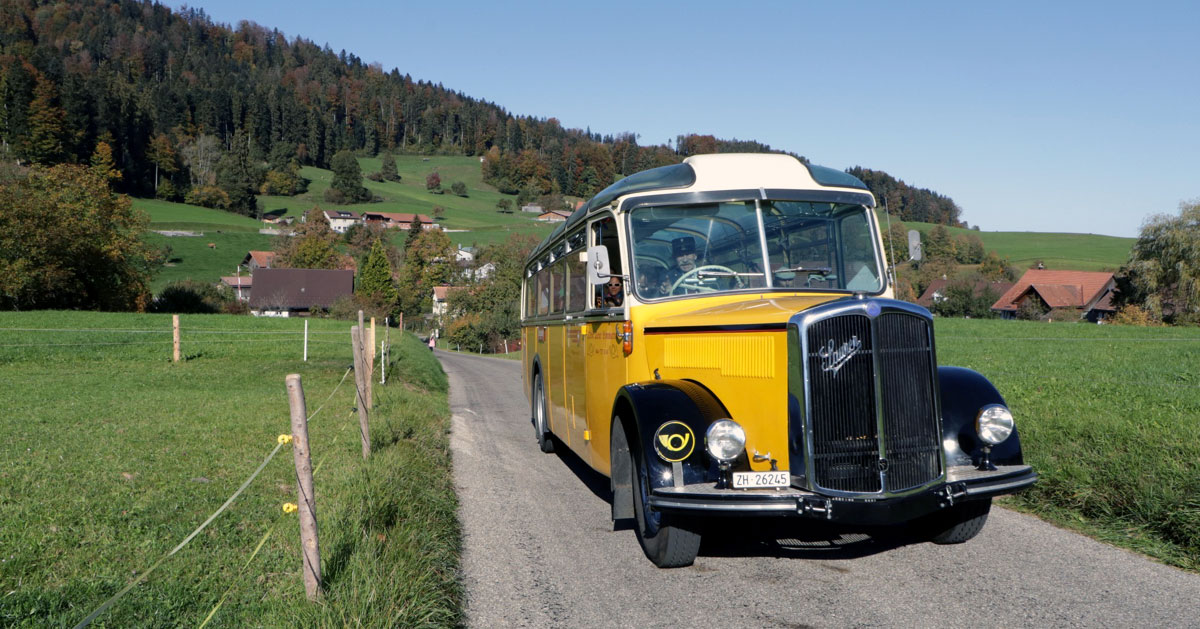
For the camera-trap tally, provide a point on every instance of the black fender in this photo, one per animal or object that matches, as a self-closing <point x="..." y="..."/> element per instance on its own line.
<point x="964" y="392"/>
<point x="643" y="407"/>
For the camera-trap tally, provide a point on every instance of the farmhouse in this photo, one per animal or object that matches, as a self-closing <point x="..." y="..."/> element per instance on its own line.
<point x="399" y="220"/>
<point x="936" y="292"/>
<point x="295" y="292"/>
<point x="554" y="216"/>
<point x="255" y="260"/>
<point x="1089" y="292"/>
<point x="241" y="285"/>
<point x="341" y="220"/>
<point x="440" y="295"/>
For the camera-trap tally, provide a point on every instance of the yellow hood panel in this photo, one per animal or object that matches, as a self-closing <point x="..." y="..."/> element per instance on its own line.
<point x="730" y="310"/>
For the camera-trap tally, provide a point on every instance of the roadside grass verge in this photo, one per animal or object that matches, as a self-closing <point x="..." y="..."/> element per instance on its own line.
<point x="112" y="455"/>
<point x="1109" y="416"/>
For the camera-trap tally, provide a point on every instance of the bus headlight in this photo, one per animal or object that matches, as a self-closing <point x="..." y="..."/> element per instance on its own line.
<point x="725" y="440"/>
<point x="994" y="424"/>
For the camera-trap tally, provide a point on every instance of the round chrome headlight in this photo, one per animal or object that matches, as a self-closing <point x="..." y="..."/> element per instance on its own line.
<point x="725" y="440"/>
<point x="994" y="424"/>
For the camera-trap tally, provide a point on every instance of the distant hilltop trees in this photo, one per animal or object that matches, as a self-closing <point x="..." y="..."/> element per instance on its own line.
<point x="174" y="94"/>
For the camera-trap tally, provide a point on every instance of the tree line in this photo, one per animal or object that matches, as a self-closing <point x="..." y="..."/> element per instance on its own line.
<point x="197" y="111"/>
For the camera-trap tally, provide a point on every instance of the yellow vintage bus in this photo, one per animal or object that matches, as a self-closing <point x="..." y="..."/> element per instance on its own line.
<point x="719" y="338"/>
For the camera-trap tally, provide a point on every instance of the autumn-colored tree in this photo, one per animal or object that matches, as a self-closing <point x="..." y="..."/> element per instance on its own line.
<point x="162" y="155"/>
<point x="68" y="242"/>
<point x="997" y="269"/>
<point x="428" y="262"/>
<point x="200" y="154"/>
<point x="102" y="163"/>
<point x="492" y="302"/>
<point x="433" y="182"/>
<point x="48" y="135"/>
<point x="312" y="245"/>
<point x="938" y="244"/>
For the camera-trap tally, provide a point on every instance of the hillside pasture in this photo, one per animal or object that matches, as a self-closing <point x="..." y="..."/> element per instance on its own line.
<point x="1076" y="252"/>
<point x="469" y="220"/>
<point x="190" y="257"/>
<point x="112" y="455"/>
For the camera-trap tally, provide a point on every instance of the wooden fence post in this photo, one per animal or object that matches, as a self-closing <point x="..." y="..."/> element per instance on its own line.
<point x="371" y="343"/>
<point x="361" y="382"/>
<point x="306" y="340"/>
<point x="175" y="336"/>
<point x="310" y="550"/>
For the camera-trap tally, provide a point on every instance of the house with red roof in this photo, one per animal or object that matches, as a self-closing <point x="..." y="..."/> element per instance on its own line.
<point x="937" y="290"/>
<point x="1089" y="292"/>
<point x="400" y="220"/>
<point x="255" y="260"/>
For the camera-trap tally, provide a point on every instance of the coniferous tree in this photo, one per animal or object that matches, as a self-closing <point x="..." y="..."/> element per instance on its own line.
<point x="375" y="283"/>
<point x="387" y="168"/>
<point x="45" y="143"/>
<point x="237" y="176"/>
<point x="347" y="178"/>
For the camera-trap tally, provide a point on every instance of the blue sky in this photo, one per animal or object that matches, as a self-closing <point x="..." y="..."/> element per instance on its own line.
<point x="1033" y="116"/>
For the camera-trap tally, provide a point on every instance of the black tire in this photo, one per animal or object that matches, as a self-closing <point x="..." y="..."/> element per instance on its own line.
<point x="538" y="415"/>
<point x="665" y="543"/>
<point x="960" y="522"/>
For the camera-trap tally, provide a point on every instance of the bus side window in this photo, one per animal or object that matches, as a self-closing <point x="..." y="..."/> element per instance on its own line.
<point x="543" y="291"/>
<point x="530" y="295"/>
<point x="576" y="283"/>
<point x="604" y="232"/>
<point x="558" y="287"/>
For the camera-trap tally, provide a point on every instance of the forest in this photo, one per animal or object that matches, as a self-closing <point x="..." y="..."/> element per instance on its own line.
<point x="190" y="109"/>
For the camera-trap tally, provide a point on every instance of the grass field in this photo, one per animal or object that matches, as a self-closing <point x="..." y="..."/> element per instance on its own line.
<point x="1076" y="252"/>
<point x="112" y="455"/>
<point x="1110" y="418"/>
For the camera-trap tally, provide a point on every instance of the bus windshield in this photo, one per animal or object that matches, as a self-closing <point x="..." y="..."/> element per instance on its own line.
<point x="717" y="247"/>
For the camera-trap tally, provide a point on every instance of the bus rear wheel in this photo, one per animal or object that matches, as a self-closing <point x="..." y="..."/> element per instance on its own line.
<point x="665" y="543"/>
<point x="540" y="428"/>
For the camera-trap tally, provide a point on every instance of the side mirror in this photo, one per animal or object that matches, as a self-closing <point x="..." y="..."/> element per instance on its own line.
<point x="914" y="245"/>
<point x="597" y="264"/>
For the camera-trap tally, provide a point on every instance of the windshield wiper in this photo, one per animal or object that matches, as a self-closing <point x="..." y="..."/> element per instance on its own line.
<point x="818" y="270"/>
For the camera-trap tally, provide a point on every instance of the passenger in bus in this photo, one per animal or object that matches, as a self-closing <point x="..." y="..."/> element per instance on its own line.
<point x="614" y="294"/>
<point x="652" y="282"/>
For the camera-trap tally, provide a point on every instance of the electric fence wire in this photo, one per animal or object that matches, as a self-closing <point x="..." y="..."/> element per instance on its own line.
<point x="141" y="577"/>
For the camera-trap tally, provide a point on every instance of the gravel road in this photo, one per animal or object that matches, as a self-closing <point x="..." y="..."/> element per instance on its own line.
<point x="539" y="550"/>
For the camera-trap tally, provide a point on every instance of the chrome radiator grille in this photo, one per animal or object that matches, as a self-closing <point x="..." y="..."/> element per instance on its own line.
<point x="871" y="406"/>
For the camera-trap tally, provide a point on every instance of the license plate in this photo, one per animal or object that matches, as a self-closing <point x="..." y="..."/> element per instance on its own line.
<point x="757" y="480"/>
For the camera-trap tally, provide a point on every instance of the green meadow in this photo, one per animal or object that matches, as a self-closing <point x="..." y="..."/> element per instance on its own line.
<point x="112" y="455"/>
<point x="1110" y="418"/>
<point x="1076" y="252"/>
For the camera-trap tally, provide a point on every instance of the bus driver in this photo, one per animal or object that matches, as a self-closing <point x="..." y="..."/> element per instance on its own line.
<point x="683" y="249"/>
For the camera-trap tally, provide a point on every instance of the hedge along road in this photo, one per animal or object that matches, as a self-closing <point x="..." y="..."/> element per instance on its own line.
<point x="539" y="550"/>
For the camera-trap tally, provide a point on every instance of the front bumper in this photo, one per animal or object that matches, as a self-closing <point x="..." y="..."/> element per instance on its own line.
<point x="961" y="483"/>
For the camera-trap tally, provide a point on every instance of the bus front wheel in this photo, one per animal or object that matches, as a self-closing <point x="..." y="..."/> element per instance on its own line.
<point x="540" y="428"/>
<point x="665" y="543"/>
